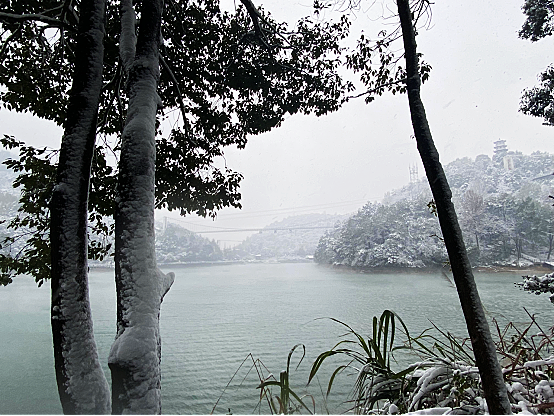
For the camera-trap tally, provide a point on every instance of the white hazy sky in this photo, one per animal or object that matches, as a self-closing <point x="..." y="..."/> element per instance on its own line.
<point x="337" y="162"/>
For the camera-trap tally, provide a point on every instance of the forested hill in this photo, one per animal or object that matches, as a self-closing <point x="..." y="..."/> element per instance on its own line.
<point x="503" y="206"/>
<point x="292" y="238"/>
<point x="175" y="244"/>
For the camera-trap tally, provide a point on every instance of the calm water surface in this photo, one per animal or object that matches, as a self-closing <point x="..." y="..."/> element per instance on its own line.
<point x="213" y="317"/>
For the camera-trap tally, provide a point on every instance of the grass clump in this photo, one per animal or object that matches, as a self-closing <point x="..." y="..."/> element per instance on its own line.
<point x="433" y="372"/>
<point x="444" y="377"/>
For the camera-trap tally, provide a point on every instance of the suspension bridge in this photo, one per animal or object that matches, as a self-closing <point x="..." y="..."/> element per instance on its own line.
<point x="206" y="229"/>
<point x="242" y="219"/>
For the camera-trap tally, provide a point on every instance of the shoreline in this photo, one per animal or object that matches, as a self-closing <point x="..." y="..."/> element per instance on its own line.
<point x="527" y="269"/>
<point x="514" y="269"/>
<point x="209" y="263"/>
<point x="523" y="270"/>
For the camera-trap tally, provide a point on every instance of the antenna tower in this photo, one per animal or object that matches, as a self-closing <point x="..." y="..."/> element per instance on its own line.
<point x="414" y="177"/>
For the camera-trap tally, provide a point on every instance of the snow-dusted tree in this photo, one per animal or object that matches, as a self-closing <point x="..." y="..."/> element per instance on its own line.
<point x="476" y="321"/>
<point x="473" y="208"/>
<point x="227" y="81"/>
<point x="531" y="225"/>
<point x="389" y="75"/>
<point x="549" y="233"/>
<point x="135" y="355"/>
<point x="489" y="214"/>
<point x="82" y="386"/>
<point x="539" y="23"/>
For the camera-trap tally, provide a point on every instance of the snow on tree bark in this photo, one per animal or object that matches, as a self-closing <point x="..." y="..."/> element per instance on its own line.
<point x="128" y="38"/>
<point x="135" y="356"/>
<point x="478" y="328"/>
<point x="82" y="385"/>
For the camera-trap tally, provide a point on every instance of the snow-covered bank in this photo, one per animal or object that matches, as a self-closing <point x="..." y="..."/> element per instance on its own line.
<point x="395" y="269"/>
<point x="169" y="265"/>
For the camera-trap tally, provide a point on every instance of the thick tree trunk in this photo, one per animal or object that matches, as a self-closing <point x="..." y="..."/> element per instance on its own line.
<point x="136" y="353"/>
<point x="478" y="328"/>
<point x="82" y="386"/>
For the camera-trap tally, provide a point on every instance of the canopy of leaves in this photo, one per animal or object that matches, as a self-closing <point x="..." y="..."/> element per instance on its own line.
<point x="378" y="61"/>
<point x="226" y="83"/>
<point x="538" y="101"/>
<point x="540" y="19"/>
<point x="226" y="80"/>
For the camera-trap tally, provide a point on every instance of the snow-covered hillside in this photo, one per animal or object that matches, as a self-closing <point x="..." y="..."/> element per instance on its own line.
<point x="176" y="244"/>
<point x="503" y="207"/>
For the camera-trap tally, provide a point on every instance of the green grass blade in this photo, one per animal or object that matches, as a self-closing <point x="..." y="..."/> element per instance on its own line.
<point x="337" y="371"/>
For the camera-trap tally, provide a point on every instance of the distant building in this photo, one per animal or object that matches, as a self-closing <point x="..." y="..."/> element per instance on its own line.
<point x="508" y="162"/>
<point x="500" y="149"/>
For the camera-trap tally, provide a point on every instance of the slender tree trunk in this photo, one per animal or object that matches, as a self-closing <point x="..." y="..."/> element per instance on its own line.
<point x="519" y="248"/>
<point x="136" y="353"/>
<point x="82" y="386"/>
<point x="478" y="328"/>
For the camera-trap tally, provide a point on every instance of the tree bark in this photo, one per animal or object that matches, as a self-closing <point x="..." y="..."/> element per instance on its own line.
<point x="478" y="328"/>
<point x="136" y="353"/>
<point x="82" y="386"/>
<point x="518" y="241"/>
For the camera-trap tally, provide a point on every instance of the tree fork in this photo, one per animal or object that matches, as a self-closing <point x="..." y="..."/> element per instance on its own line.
<point x="478" y="328"/>
<point x="82" y="386"/>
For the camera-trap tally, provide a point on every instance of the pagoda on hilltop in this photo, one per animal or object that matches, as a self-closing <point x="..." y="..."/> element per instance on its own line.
<point x="501" y="154"/>
<point x="500" y="149"/>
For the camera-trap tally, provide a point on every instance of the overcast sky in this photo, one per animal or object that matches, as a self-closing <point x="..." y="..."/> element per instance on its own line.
<point x="337" y="162"/>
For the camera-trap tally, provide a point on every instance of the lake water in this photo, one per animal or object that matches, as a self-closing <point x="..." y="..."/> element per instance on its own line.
<point x="213" y="317"/>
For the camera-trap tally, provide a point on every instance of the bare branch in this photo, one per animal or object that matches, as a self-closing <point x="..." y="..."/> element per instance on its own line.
<point x="166" y="281"/>
<point x="256" y="16"/>
<point x="371" y="91"/>
<point x="51" y="21"/>
<point x="67" y="8"/>
<point x="10" y="38"/>
<point x="119" y="103"/>
<point x="179" y="99"/>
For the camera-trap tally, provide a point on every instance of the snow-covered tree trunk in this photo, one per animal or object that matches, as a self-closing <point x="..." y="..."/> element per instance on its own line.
<point x="478" y="328"/>
<point x="518" y="242"/>
<point x="136" y="353"/>
<point x="82" y="385"/>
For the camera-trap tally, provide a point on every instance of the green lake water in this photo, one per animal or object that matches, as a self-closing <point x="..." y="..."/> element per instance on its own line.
<point x="214" y="317"/>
